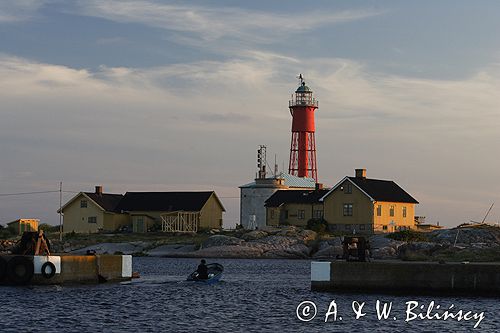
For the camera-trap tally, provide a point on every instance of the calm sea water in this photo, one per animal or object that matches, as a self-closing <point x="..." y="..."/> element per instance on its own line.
<point x="254" y="296"/>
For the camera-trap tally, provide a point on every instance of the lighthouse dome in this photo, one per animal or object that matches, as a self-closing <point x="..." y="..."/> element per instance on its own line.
<point x="303" y="88"/>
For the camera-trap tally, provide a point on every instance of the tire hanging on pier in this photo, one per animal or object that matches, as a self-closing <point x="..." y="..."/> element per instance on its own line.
<point x="48" y="270"/>
<point x="20" y="270"/>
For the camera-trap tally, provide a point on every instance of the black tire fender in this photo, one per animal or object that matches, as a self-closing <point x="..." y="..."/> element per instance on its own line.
<point x="3" y="268"/>
<point x="20" y="270"/>
<point x="50" y="267"/>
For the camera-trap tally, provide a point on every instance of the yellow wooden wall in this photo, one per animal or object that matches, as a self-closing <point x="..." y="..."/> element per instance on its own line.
<point x="293" y="214"/>
<point x="385" y="219"/>
<point x="211" y="214"/>
<point x="334" y="206"/>
<point x="75" y="219"/>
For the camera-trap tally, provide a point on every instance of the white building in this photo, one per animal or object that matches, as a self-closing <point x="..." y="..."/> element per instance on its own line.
<point x="254" y="195"/>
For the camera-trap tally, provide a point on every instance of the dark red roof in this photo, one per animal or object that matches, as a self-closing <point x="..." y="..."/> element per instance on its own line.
<point x="383" y="190"/>
<point x="163" y="201"/>
<point x="107" y="201"/>
<point x="295" y="196"/>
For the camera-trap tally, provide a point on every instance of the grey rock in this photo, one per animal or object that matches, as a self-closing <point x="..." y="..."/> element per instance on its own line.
<point x="276" y="240"/>
<point x="307" y="235"/>
<point x="467" y="235"/>
<point x="387" y="252"/>
<point x="417" y="250"/>
<point x="172" y="250"/>
<point x="111" y="248"/>
<point x="229" y="251"/>
<point x="221" y="240"/>
<point x="290" y="231"/>
<point x="329" y="252"/>
<point x="255" y="234"/>
<point x="381" y="241"/>
<point x="294" y="251"/>
<point x="323" y="245"/>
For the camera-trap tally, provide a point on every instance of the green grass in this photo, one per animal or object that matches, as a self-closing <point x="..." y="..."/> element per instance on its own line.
<point x="409" y="236"/>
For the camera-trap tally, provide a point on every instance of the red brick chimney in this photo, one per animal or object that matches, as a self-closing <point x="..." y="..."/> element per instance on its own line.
<point x="98" y="190"/>
<point x="361" y="173"/>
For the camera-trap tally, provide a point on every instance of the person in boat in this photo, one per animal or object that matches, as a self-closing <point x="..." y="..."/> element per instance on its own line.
<point x="202" y="270"/>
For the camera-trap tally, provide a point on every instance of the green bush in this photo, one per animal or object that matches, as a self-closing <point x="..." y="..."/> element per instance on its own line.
<point x="409" y="236"/>
<point x="318" y="225"/>
<point x="7" y="233"/>
<point x="48" y="228"/>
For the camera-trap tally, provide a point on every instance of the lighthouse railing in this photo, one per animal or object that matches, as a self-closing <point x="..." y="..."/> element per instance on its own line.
<point x="303" y="101"/>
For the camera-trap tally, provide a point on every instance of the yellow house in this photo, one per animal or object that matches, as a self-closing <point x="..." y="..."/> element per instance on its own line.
<point x="90" y="212"/>
<point x="22" y="225"/>
<point x="142" y="211"/>
<point x="296" y="207"/>
<point x="361" y="205"/>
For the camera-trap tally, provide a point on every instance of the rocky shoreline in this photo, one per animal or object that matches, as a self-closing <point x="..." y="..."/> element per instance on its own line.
<point x="471" y="244"/>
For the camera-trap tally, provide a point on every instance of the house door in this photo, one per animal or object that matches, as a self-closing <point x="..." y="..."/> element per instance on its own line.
<point x="140" y="224"/>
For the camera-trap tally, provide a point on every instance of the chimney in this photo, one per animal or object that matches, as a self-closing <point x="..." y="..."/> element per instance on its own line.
<point x="361" y="173"/>
<point x="319" y="186"/>
<point x="98" y="190"/>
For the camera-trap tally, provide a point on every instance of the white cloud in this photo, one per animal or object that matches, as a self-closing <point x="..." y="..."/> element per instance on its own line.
<point x="198" y="124"/>
<point x="209" y="23"/>
<point x="19" y="10"/>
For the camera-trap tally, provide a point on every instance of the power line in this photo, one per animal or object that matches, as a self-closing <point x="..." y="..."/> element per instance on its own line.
<point x="26" y="193"/>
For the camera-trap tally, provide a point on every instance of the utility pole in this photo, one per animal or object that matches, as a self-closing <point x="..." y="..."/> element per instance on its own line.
<point x="60" y="211"/>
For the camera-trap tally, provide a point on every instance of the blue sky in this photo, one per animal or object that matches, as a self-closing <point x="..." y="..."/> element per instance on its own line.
<point x="164" y="95"/>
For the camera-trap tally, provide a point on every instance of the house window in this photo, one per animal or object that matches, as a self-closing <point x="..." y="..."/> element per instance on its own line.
<point x="301" y="214"/>
<point x="347" y="227"/>
<point x="318" y="213"/>
<point x="286" y="214"/>
<point x="391" y="211"/>
<point x="334" y="226"/>
<point x="272" y="213"/>
<point x="361" y="227"/>
<point x="404" y="211"/>
<point x="348" y="209"/>
<point x="83" y="204"/>
<point x="379" y="210"/>
<point x="384" y="227"/>
<point x="92" y="219"/>
<point x="348" y="188"/>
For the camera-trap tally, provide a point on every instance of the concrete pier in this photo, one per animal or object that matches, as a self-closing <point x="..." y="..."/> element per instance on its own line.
<point x="401" y="277"/>
<point x="64" y="269"/>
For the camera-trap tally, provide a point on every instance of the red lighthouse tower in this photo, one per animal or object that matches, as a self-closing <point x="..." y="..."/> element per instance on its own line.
<point x="303" y="147"/>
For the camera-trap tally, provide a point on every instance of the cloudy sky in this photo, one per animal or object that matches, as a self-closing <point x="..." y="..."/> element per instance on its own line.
<point x="177" y="95"/>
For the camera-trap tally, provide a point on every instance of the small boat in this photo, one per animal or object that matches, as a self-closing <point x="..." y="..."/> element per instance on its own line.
<point x="214" y="274"/>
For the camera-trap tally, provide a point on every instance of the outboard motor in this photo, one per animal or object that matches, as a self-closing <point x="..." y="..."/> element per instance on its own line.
<point x="355" y="248"/>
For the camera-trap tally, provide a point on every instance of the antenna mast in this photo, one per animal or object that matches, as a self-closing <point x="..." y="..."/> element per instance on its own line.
<point x="261" y="162"/>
